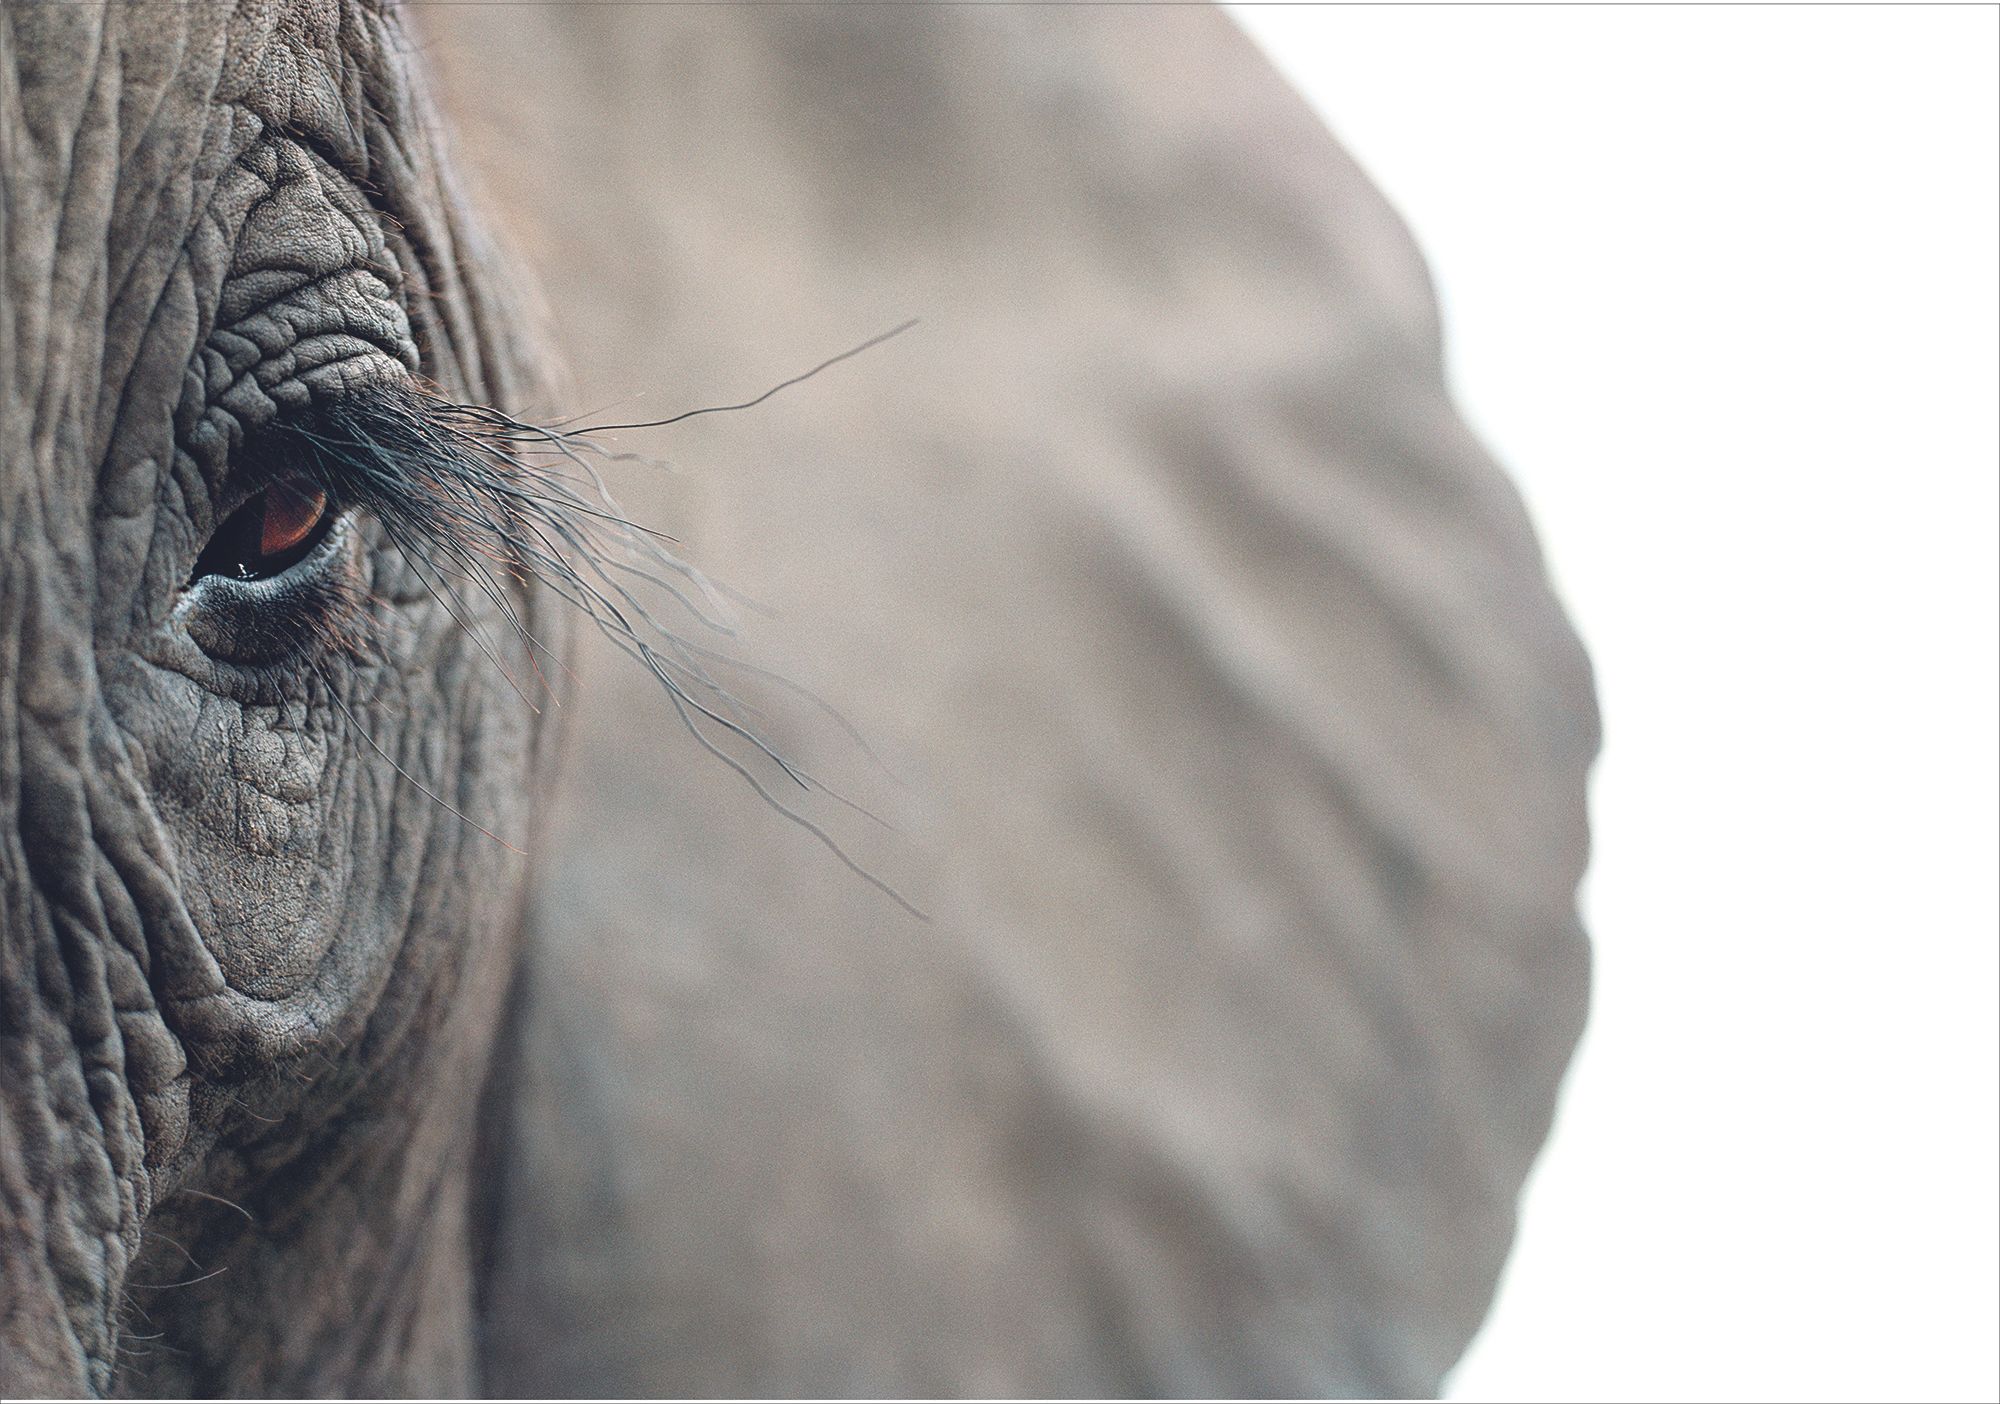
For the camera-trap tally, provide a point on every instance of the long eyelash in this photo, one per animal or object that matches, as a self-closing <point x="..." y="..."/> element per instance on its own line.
<point x="472" y="497"/>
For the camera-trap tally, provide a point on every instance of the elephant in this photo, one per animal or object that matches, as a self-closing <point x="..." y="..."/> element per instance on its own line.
<point x="1060" y="879"/>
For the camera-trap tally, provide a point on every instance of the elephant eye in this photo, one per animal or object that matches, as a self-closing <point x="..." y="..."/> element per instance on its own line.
<point x="269" y="534"/>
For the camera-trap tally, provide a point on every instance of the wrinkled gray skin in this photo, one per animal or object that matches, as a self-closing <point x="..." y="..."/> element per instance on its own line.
<point x="1239" y="744"/>
<point x="242" y="960"/>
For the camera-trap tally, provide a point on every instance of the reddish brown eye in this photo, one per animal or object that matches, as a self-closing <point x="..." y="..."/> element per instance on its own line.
<point x="291" y="511"/>
<point x="268" y="534"/>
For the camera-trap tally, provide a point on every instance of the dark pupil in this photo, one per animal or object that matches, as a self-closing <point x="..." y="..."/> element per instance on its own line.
<point x="268" y="534"/>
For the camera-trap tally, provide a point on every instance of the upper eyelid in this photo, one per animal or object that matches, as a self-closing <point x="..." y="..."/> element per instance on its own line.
<point x="288" y="445"/>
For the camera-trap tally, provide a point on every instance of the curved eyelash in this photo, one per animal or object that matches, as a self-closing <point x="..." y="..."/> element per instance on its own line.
<point x="474" y="499"/>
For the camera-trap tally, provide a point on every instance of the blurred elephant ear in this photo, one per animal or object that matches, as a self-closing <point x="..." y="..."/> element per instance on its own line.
<point x="1241" y="742"/>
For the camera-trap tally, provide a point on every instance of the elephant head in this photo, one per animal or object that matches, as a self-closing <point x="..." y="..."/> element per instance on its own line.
<point x="1245" y="741"/>
<point x="268" y="783"/>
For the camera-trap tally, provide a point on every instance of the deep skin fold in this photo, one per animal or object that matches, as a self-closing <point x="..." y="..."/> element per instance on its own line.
<point x="253" y="957"/>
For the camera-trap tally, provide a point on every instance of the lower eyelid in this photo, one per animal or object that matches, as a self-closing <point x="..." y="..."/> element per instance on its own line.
<point x="215" y="605"/>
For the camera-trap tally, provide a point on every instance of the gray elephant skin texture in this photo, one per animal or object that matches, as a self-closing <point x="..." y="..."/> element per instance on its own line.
<point x="396" y="997"/>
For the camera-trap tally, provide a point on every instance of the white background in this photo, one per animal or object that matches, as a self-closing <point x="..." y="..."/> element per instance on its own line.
<point x="1720" y="290"/>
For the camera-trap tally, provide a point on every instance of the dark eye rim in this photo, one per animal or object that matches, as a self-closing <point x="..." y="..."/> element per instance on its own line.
<point x="235" y="551"/>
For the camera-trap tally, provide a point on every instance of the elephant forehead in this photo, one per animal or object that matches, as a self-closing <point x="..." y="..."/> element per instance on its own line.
<point x="191" y="252"/>
<point x="127" y="136"/>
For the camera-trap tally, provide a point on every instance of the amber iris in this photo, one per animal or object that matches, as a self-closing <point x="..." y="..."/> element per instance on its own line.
<point x="291" y="511"/>
<point x="269" y="533"/>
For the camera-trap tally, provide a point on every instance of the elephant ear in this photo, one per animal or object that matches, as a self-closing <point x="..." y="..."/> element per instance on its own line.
<point x="1239" y="743"/>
